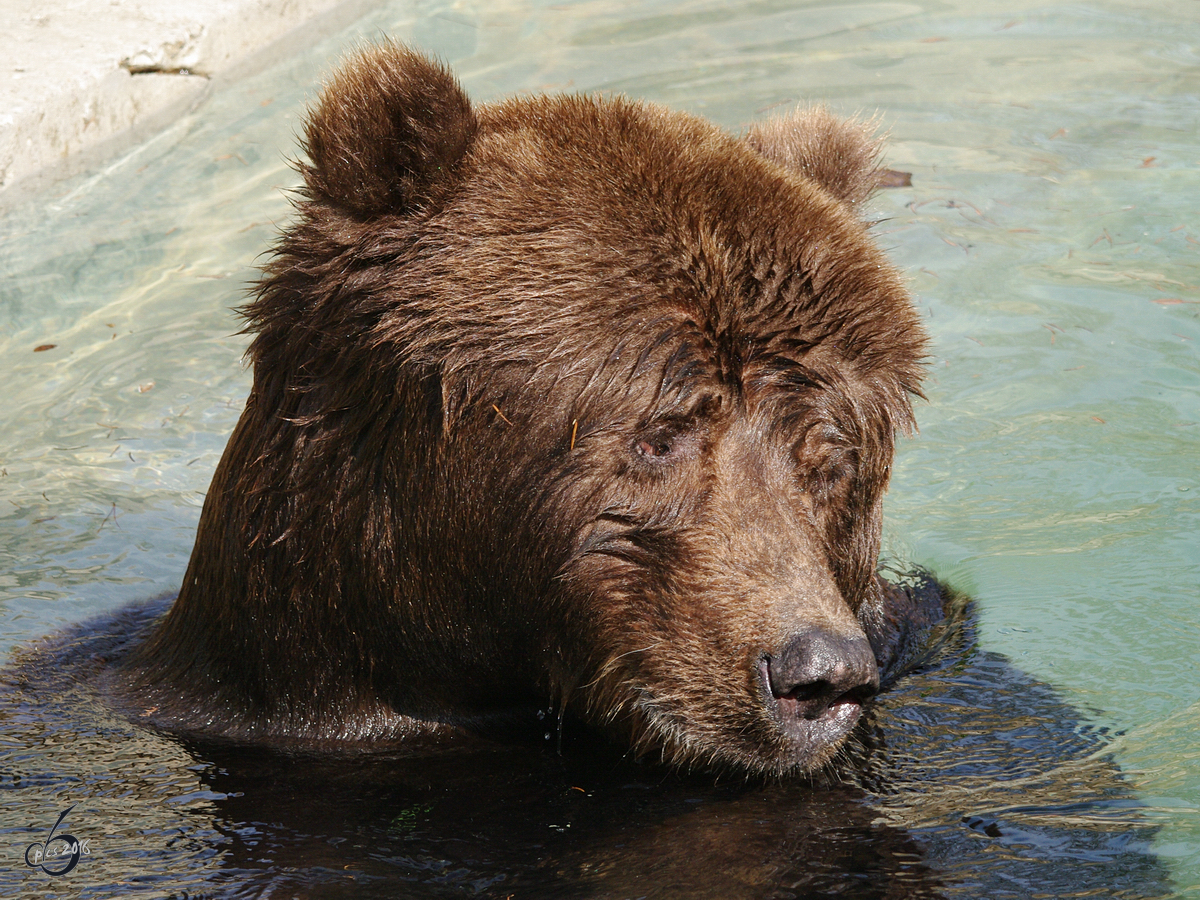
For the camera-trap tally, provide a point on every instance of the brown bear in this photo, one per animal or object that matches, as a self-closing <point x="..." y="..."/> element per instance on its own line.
<point x="561" y="403"/>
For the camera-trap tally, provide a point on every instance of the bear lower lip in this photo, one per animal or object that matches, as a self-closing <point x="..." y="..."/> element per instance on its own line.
<point x="843" y="709"/>
<point x="814" y="737"/>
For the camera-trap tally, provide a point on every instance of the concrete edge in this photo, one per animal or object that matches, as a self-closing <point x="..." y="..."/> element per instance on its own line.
<point x="136" y="105"/>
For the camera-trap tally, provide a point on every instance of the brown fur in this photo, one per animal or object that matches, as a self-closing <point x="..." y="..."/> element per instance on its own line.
<point x="563" y="400"/>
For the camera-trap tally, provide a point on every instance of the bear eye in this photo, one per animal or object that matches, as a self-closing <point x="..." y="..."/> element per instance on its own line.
<point x="661" y="444"/>
<point x="833" y="475"/>
<point x="826" y="461"/>
<point x="653" y="447"/>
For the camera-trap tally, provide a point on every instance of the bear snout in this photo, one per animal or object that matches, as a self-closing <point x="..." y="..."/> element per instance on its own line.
<point x="818" y="671"/>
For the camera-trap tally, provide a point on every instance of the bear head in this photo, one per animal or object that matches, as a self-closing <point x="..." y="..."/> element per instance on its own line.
<point x="571" y="402"/>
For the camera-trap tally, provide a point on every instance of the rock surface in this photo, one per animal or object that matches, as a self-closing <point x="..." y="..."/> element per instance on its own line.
<point x="77" y="73"/>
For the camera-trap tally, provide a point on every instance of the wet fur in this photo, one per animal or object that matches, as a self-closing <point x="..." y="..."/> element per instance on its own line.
<point x="438" y="510"/>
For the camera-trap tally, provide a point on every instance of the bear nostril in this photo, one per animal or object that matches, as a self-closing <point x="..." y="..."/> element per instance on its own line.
<point x="818" y="668"/>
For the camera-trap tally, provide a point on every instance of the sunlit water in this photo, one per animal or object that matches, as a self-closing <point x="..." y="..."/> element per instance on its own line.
<point x="1051" y="237"/>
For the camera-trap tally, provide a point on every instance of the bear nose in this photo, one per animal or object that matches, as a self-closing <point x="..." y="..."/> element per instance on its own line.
<point x="817" y="668"/>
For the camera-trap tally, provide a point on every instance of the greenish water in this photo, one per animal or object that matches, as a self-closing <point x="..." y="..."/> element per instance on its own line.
<point x="1051" y="237"/>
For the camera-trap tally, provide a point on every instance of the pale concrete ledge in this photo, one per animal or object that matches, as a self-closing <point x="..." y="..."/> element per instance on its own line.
<point x="77" y="74"/>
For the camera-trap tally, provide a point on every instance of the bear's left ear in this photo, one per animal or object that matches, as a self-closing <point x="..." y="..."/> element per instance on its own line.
<point x="839" y="154"/>
<point x="388" y="133"/>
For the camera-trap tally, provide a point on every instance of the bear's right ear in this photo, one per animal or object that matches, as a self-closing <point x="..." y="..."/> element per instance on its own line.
<point x="387" y="134"/>
<point x="839" y="154"/>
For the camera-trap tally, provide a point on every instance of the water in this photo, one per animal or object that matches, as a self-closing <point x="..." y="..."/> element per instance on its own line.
<point x="1050" y="237"/>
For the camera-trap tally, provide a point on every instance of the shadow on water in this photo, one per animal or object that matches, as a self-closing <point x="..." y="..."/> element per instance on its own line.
<point x="968" y="780"/>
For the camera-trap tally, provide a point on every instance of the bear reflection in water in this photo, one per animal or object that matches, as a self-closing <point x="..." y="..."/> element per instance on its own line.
<point x="574" y="416"/>
<point x="964" y="779"/>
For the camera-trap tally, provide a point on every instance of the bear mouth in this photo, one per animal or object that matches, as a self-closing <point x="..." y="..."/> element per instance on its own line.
<point x="817" y="716"/>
